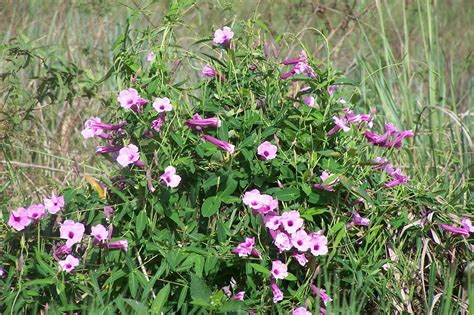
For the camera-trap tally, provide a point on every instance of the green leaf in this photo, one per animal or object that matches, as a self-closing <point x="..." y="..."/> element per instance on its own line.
<point x="260" y="268"/>
<point x="232" y="306"/>
<point x="210" y="206"/>
<point x="285" y="194"/>
<point x="161" y="299"/>
<point x="141" y="223"/>
<point x="200" y="292"/>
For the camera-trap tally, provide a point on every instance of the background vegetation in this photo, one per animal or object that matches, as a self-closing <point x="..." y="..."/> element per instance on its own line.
<point x="412" y="61"/>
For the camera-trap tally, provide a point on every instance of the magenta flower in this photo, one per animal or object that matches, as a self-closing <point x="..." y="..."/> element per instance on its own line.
<point x="19" y="219"/>
<point x="223" y="36"/>
<point x="197" y="122"/>
<point x="398" y="178"/>
<point x="291" y="221"/>
<point x="69" y="263"/>
<point x="272" y="222"/>
<point x="54" y="204"/>
<point x="301" y="66"/>
<point x="150" y="57"/>
<point x="332" y="89"/>
<point x="35" y="212"/>
<point x="219" y="143"/>
<point x="3" y="272"/>
<point x="467" y="225"/>
<point x="318" y="244"/>
<point x="358" y="220"/>
<point x="277" y="294"/>
<point x="391" y="138"/>
<point x="72" y="232"/>
<point x="301" y="58"/>
<point x="282" y="242"/>
<point x="455" y="230"/>
<point x="300" y="240"/>
<point x="108" y="211"/>
<point x="162" y="105"/>
<point x="252" y="199"/>
<point x="301" y="311"/>
<point x="267" y="151"/>
<point x="325" y="183"/>
<point x="309" y="100"/>
<point x="381" y="163"/>
<point x="120" y="244"/>
<point x="99" y="232"/>
<point x="130" y="99"/>
<point x="341" y="123"/>
<point x="128" y="155"/>
<point x="60" y="250"/>
<point x="210" y="72"/>
<point x="239" y="296"/>
<point x="91" y="129"/>
<point x="300" y="258"/>
<point x="320" y="293"/>
<point x="156" y="124"/>
<point x="279" y="270"/>
<point x="104" y="149"/>
<point x="169" y="177"/>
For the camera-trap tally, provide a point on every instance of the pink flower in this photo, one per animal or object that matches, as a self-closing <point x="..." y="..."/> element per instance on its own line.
<point x="197" y="122"/>
<point x="239" y="296"/>
<point x="19" y="219"/>
<point x="309" y="100"/>
<point x="130" y="99"/>
<point x="90" y="129"/>
<point x="267" y="151"/>
<point x="272" y="222"/>
<point x="156" y="124"/>
<point x="318" y="244"/>
<point x="300" y="258"/>
<point x="291" y="221"/>
<point x="300" y="240"/>
<point x="223" y="36"/>
<point x="54" y="204"/>
<point x="325" y="183"/>
<point x="107" y="149"/>
<point x="120" y="244"/>
<point x="321" y="293"/>
<point x="69" y="263"/>
<point x="467" y="225"/>
<point x="391" y="138"/>
<point x="341" y="123"/>
<point x="282" y="242"/>
<point x="162" y="105"/>
<point x="108" y="211"/>
<point x="277" y="294"/>
<point x="227" y="291"/>
<point x="268" y="204"/>
<point x="210" y="72"/>
<point x="150" y="57"/>
<point x="169" y="177"/>
<point x="252" y="199"/>
<point x="219" y="143"/>
<point x="36" y="211"/>
<point x="358" y="220"/>
<point x="301" y="311"/>
<point x="3" y="272"/>
<point x="455" y="230"/>
<point x="301" y="58"/>
<point x="381" y="163"/>
<point x="245" y="249"/>
<point x="99" y="232"/>
<point x="72" y="232"/>
<point x="279" y="270"/>
<point x="128" y="155"/>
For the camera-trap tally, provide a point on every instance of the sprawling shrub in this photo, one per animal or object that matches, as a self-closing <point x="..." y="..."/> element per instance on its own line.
<point x="232" y="179"/>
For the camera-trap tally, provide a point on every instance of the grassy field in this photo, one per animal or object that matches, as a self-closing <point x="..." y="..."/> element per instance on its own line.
<point x="412" y="61"/>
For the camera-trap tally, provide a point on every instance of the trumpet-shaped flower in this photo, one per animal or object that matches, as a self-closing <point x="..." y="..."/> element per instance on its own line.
<point x="320" y="293"/>
<point x="35" y="212"/>
<point x="318" y="244"/>
<point x="54" y="204"/>
<point x="120" y="244"/>
<point x="341" y="123"/>
<point x="91" y="129"/>
<point x="162" y="105"/>
<point x="358" y="220"/>
<point x="300" y="258"/>
<point x="398" y="178"/>
<point x="291" y="221"/>
<point x="169" y="177"/>
<point x="156" y="124"/>
<point x="69" y="263"/>
<point x="219" y="143"/>
<point x="325" y="183"/>
<point x="210" y="72"/>
<point x="72" y="232"/>
<point x="19" y="219"/>
<point x="277" y="294"/>
<point x="272" y="222"/>
<point x="309" y="100"/>
<point x="99" y="232"/>
<point x="198" y="123"/>
<point x="128" y="155"/>
<point x="282" y="241"/>
<point x="223" y="36"/>
<point x="245" y="249"/>
<point x="150" y="57"/>
<point x="130" y="99"/>
<point x="267" y="151"/>
<point x="279" y="270"/>
<point x="300" y="240"/>
<point x="239" y="296"/>
<point x="301" y="311"/>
